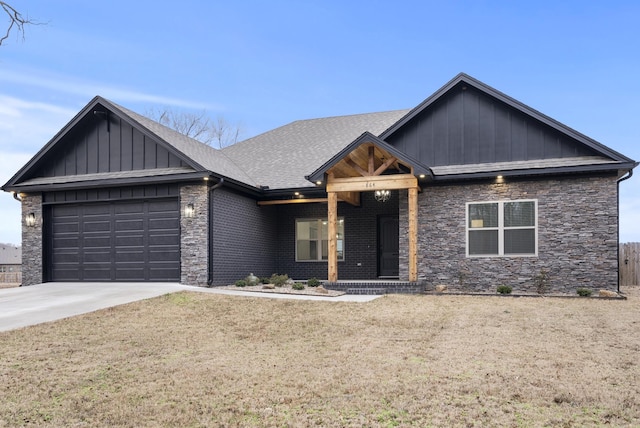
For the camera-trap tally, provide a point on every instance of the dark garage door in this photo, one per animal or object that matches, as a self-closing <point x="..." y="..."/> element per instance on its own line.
<point x="116" y="241"/>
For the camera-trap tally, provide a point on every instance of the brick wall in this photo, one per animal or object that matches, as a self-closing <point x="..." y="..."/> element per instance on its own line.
<point x="32" y="240"/>
<point x="577" y="236"/>
<point x="244" y="237"/>
<point x="194" y="246"/>
<point x="360" y="243"/>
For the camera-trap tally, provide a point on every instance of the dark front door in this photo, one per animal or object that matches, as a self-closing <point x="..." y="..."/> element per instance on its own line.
<point x="388" y="246"/>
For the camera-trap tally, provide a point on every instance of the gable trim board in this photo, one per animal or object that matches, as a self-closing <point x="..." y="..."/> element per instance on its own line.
<point x="246" y="197"/>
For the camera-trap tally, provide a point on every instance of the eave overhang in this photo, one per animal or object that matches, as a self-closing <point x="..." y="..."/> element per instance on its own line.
<point x="619" y="169"/>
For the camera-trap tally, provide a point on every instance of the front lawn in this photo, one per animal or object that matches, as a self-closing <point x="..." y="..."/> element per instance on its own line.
<point x="198" y="359"/>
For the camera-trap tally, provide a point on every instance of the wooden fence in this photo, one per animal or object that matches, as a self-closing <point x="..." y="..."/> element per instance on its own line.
<point x="630" y="263"/>
<point x="11" y="277"/>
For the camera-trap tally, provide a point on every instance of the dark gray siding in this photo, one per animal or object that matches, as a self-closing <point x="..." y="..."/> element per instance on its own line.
<point x="468" y="126"/>
<point x="360" y="229"/>
<point x="96" y="145"/>
<point x="111" y="194"/>
<point x="244" y="237"/>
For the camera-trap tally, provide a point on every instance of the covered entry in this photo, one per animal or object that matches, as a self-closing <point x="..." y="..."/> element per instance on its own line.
<point x="371" y="165"/>
<point x="113" y="241"/>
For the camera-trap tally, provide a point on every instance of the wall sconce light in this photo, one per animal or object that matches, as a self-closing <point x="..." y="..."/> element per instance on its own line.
<point x="30" y="219"/>
<point x="189" y="211"/>
<point x="382" y="195"/>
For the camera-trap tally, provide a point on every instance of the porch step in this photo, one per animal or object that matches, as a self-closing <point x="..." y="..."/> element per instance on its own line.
<point x="377" y="287"/>
<point x="368" y="291"/>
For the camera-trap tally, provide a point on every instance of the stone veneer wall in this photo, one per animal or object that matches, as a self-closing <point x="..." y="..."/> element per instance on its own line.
<point x="194" y="244"/>
<point x="577" y="236"/>
<point x="32" y="240"/>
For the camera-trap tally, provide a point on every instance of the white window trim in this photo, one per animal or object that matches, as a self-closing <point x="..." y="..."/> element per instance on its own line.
<point x="501" y="228"/>
<point x="321" y="260"/>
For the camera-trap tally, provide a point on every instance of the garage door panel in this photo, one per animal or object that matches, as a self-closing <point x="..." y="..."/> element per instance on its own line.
<point x="100" y="274"/>
<point x="131" y="257"/>
<point x="129" y="225"/>
<point x="167" y="239"/>
<point x="96" y="226"/>
<point x="68" y="226"/>
<point x="97" y="257"/>
<point x="125" y="241"/>
<point x="163" y="255"/>
<point x="157" y="274"/>
<point x="163" y="224"/>
<point x="65" y="257"/>
<point x="96" y="242"/>
<point x="116" y="241"/>
<point x="69" y="243"/>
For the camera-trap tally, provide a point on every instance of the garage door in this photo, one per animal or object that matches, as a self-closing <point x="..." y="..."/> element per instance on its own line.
<point x="116" y="241"/>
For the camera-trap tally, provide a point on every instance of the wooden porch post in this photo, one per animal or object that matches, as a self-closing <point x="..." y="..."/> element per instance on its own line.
<point x="413" y="234"/>
<point x="333" y="239"/>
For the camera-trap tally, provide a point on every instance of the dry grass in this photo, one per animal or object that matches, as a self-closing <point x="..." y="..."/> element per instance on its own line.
<point x="192" y="359"/>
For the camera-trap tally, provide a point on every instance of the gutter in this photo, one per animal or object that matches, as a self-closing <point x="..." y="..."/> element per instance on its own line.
<point x="626" y="177"/>
<point x="210" y="231"/>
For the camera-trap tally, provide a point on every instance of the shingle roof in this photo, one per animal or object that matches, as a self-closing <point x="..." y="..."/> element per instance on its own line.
<point x="281" y="158"/>
<point x="207" y="156"/>
<point x="10" y="254"/>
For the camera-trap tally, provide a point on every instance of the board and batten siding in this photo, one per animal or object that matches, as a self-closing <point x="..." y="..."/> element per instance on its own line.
<point x="468" y="126"/>
<point x="96" y="145"/>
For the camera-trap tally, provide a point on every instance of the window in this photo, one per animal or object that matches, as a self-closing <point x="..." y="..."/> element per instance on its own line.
<point x="312" y="239"/>
<point x="508" y="228"/>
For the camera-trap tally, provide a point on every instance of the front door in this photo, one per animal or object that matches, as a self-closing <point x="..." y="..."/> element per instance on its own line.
<point x="388" y="234"/>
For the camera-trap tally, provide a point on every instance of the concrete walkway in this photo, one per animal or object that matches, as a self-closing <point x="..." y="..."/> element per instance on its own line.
<point x="24" y="306"/>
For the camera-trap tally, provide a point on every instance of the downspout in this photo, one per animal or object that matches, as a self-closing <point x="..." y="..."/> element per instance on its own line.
<point x="16" y="196"/>
<point x="210" y="231"/>
<point x="628" y="176"/>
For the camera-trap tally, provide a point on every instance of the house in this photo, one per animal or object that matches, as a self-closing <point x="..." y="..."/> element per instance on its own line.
<point x="470" y="188"/>
<point x="10" y="263"/>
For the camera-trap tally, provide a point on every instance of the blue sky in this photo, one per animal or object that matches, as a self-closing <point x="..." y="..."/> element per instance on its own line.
<point x="265" y="64"/>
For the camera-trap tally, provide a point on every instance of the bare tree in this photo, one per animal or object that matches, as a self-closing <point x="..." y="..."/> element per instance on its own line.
<point x="224" y="133"/>
<point x="16" y="20"/>
<point x="199" y="126"/>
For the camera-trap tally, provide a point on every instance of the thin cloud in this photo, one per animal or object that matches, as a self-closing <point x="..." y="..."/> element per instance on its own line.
<point x="26" y="125"/>
<point x="89" y="89"/>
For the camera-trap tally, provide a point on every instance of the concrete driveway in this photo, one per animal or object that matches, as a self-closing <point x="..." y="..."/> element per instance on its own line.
<point x="24" y="306"/>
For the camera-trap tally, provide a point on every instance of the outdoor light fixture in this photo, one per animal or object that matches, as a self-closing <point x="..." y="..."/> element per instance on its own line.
<point x="382" y="195"/>
<point x="189" y="211"/>
<point x="30" y="219"/>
